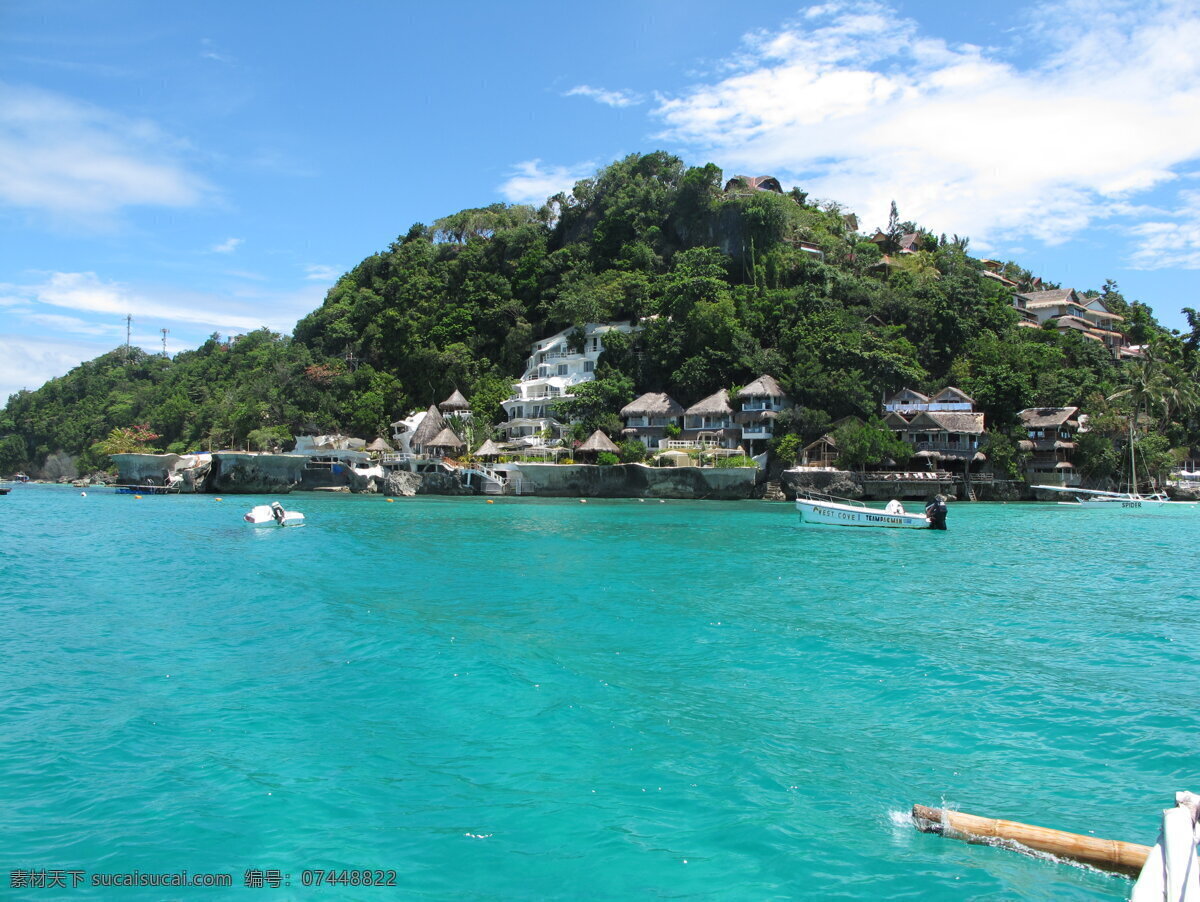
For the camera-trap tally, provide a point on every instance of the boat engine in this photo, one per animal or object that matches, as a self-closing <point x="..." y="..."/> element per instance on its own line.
<point x="935" y="510"/>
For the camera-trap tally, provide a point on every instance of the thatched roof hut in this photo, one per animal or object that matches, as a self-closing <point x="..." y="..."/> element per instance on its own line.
<point x="967" y="423"/>
<point x="596" y="443"/>
<point x="714" y="405"/>
<point x="653" y="404"/>
<point x="1047" y="417"/>
<point x="446" y="441"/>
<point x="430" y="426"/>
<point x="762" y="387"/>
<point x="379" y="445"/>
<point x="489" y="449"/>
<point x="455" y="403"/>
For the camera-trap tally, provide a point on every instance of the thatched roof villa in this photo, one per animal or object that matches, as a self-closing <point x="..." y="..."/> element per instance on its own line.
<point x="646" y="418"/>
<point x="710" y="421"/>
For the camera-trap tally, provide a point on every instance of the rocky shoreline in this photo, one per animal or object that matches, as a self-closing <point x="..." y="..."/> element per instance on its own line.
<point x="233" y="473"/>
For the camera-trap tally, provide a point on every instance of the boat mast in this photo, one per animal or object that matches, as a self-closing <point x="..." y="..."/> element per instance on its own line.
<point x="1133" y="484"/>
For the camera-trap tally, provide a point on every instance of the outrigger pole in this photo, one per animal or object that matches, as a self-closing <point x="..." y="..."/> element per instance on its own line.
<point x="1103" y="854"/>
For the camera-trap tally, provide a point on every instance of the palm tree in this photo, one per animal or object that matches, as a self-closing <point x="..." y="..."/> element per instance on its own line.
<point x="1156" y="385"/>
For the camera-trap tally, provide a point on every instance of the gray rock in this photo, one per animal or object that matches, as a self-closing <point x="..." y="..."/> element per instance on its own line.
<point x="236" y="472"/>
<point x="1183" y="492"/>
<point x="443" y="484"/>
<point x="1000" y="490"/>
<point x="829" y="482"/>
<point x="637" y="481"/>
<point x="401" y="483"/>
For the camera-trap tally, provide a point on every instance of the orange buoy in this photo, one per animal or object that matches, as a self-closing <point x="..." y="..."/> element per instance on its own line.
<point x="490" y="501"/>
<point x="138" y="497"/>
<point x="390" y="500"/>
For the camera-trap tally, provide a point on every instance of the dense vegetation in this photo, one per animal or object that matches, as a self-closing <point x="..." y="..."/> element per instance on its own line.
<point x="727" y="285"/>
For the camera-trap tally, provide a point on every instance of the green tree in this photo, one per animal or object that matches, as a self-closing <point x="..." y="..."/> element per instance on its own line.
<point x="860" y="444"/>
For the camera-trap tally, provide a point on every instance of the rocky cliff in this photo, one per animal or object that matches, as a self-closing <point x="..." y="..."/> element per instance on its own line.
<point x="239" y="473"/>
<point x="636" y="481"/>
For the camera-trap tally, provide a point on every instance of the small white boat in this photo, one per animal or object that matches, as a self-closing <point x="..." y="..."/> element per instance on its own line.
<point x="1129" y="502"/>
<point x="845" y="512"/>
<point x="273" y="514"/>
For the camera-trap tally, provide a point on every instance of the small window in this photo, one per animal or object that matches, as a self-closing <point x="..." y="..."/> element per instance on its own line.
<point x="562" y="369"/>
<point x="588" y="366"/>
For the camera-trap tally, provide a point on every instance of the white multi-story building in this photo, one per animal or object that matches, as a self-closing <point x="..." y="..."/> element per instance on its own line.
<point x="551" y="371"/>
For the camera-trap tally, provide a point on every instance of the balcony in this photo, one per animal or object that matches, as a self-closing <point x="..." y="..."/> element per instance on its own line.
<point x="935" y="406"/>
<point x="962" y="446"/>
<point x="761" y="404"/>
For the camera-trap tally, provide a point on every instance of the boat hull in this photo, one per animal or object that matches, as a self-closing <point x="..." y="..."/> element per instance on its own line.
<point x="1128" y="505"/>
<point x="262" y="515"/>
<point x="829" y="513"/>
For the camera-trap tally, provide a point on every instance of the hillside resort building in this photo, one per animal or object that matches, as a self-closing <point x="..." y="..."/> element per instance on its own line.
<point x="554" y="367"/>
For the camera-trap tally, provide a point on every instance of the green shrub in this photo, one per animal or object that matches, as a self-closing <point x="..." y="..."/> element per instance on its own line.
<point x="740" y="460"/>
<point x="787" y="447"/>
<point x="632" y="451"/>
<point x="607" y="459"/>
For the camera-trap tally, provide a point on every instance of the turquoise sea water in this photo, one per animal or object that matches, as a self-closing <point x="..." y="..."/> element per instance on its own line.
<point x="612" y="700"/>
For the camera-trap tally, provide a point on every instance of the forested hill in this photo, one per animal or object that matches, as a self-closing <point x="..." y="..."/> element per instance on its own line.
<point x="728" y="281"/>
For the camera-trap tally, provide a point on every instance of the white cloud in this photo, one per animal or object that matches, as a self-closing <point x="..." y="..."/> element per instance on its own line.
<point x="59" y="323"/>
<point x="83" y="163"/>
<point x="1170" y="245"/>
<point x="85" y="292"/>
<point x="532" y="184"/>
<point x="98" y="308"/>
<point x="29" y="362"/>
<point x="319" y="273"/>
<point x="616" y="99"/>
<point x="208" y="52"/>
<point x="228" y="246"/>
<point x="856" y="104"/>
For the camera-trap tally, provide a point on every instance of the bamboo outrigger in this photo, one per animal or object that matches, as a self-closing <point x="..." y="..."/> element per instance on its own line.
<point x="1170" y="870"/>
<point x="1104" y="854"/>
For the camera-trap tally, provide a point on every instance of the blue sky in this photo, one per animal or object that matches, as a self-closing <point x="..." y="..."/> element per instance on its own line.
<point x="214" y="167"/>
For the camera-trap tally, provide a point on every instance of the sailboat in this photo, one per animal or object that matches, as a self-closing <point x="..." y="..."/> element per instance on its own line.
<point x="1131" y="501"/>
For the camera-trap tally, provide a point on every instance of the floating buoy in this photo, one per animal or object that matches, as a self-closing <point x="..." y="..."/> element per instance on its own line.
<point x="583" y="501"/>
<point x="490" y="501"/>
<point x="137" y="497"/>
<point x="218" y="499"/>
<point x="390" y="500"/>
<point x="83" y="494"/>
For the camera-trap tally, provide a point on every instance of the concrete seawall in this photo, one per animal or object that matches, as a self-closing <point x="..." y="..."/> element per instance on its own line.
<point x="635" y="481"/>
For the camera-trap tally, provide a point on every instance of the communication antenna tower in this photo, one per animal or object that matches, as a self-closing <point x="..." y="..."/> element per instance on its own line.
<point x="128" y="330"/>
<point x="164" y="332"/>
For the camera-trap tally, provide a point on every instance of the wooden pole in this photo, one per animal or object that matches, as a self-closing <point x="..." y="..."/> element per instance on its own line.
<point x="1104" y="854"/>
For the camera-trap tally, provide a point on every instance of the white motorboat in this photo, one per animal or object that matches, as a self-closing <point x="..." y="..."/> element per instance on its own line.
<point x="273" y="514"/>
<point x="832" y="511"/>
